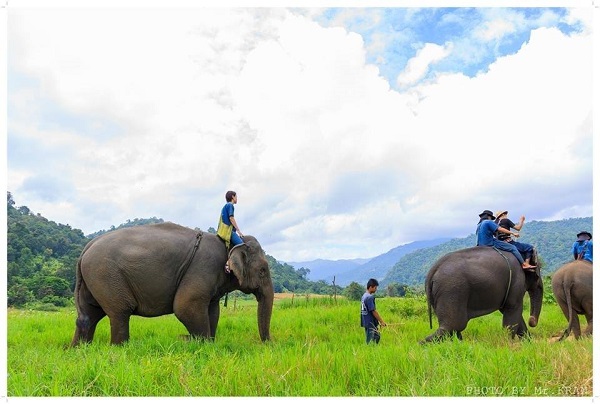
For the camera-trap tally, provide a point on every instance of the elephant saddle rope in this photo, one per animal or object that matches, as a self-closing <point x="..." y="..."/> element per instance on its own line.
<point x="510" y="272"/>
<point x="188" y="262"/>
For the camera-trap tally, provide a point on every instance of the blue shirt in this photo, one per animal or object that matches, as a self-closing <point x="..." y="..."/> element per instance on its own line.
<point x="485" y="232"/>
<point x="579" y="246"/>
<point x="367" y="306"/>
<point x="226" y="212"/>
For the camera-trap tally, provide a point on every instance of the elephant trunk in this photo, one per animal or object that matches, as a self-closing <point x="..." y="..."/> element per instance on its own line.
<point x="265" y="309"/>
<point x="536" y="295"/>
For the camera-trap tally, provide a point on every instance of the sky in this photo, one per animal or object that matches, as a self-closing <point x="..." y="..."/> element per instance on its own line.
<point x="345" y="131"/>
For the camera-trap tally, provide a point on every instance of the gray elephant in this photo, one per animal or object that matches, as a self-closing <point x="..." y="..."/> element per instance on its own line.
<point x="165" y="268"/>
<point x="476" y="281"/>
<point x="572" y="287"/>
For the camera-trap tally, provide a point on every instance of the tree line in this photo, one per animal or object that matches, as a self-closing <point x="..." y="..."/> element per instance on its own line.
<point x="42" y="256"/>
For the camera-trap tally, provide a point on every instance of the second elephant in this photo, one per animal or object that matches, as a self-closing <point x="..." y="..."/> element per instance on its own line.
<point x="476" y="281"/>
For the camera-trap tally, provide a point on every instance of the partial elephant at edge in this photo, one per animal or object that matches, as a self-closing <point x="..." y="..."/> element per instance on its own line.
<point x="572" y="285"/>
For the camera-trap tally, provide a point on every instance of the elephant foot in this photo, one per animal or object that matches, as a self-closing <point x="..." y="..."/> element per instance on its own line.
<point x="189" y="337"/>
<point x="440" y="335"/>
<point x="533" y="321"/>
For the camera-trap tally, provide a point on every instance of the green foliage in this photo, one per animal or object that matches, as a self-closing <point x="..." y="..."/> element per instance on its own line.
<point x="41" y="257"/>
<point x="354" y="291"/>
<point x="553" y="241"/>
<point x="409" y="307"/>
<point x="288" y="279"/>
<point x="396" y="289"/>
<point x="548" y="294"/>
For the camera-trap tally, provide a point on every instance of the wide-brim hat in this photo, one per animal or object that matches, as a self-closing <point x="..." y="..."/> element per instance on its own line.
<point x="584" y="233"/>
<point x="487" y="213"/>
<point x="501" y="212"/>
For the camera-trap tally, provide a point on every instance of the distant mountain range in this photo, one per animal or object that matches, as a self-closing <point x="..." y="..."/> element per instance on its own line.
<point x="361" y="269"/>
<point x="408" y="264"/>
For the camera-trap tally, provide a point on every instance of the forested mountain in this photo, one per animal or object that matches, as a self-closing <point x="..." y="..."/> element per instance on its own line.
<point x="553" y="241"/>
<point x="42" y="256"/>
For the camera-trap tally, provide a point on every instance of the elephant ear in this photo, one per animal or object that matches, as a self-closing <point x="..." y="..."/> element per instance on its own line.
<point x="238" y="258"/>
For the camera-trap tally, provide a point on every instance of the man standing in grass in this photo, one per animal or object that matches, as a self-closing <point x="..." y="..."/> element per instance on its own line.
<point x="369" y="317"/>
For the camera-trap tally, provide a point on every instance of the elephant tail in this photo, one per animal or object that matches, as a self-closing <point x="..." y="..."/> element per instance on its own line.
<point x="79" y="282"/>
<point x="567" y="291"/>
<point x="430" y="316"/>
<point x="429" y="294"/>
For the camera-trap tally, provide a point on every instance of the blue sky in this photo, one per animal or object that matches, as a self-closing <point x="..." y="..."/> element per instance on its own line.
<point x="392" y="35"/>
<point x="346" y="132"/>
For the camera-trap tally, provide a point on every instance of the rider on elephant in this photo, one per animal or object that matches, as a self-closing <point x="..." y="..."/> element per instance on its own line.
<point x="583" y="247"/>
<point x="503" y="221"/>
<point x="228" y="229"/>
<point x="486" y="228"/>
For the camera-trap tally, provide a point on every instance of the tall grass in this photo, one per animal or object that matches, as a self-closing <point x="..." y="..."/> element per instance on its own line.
<point x="318" y="349"/>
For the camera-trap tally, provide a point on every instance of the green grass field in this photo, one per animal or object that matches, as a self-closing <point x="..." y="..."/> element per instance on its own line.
<point x="317" y="349"/>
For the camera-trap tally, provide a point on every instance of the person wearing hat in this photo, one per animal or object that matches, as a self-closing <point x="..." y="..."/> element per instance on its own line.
<point x="583" y="247"/>
<point x="486" y="228"/>
<point x="502" y="219"/>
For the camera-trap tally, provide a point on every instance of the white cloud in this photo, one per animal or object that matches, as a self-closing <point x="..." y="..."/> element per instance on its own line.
<point x="496" y="29"/>
<point x="418" y="66"/>
<point x="328" y="161"/>
<point x="580" y="15"/>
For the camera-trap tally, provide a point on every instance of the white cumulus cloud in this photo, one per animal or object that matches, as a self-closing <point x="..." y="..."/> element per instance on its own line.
<point x="418" y="66"/>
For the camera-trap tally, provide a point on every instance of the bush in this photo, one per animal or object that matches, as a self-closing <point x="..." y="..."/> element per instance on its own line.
<point x="56" y="301"/>
<point x="18" y="295"/>
<point x="354" y="291"/>
<point x="408" y="307"/>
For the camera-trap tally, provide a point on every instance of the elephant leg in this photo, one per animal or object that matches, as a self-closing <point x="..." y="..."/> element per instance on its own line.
<point x="563" y="307"/>
<point x="88" y="317"/>
<point x="452" y="320"/>
<point x="214" y="311"/>
<point x="193" y="314"/>
<point x="576" y="326"/>
<point x="444" y="331"/>
<point x="590" y="327"/>
<point x="85" y="326"/>
<point x="588" y="310"/>
<point x="119" y="329"/>
<point x="513" y="320"/>
<point x="439" y="335"/>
